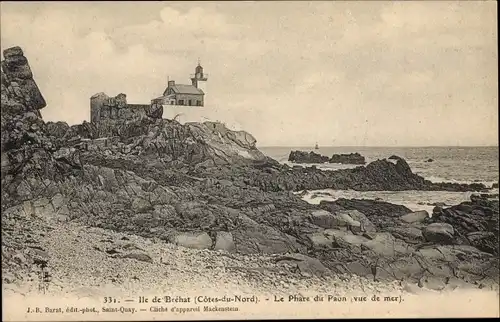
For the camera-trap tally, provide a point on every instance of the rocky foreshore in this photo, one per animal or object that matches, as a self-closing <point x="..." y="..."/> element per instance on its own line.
<point x="205" y="187"/>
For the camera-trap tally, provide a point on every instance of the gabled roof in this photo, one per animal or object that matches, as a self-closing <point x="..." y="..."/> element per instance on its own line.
<point x="186" y="89"/>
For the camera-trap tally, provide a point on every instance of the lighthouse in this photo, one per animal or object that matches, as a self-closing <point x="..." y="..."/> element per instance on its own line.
<point x="199" y="79"/>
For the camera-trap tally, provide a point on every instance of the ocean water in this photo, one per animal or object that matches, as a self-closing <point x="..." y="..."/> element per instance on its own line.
<point x="450" y="164"/>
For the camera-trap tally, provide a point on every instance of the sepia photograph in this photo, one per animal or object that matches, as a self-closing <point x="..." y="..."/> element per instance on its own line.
<point x="213" y="160"/>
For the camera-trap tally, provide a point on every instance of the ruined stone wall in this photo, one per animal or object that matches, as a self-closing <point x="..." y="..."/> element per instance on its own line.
<point x="104" y="108"/>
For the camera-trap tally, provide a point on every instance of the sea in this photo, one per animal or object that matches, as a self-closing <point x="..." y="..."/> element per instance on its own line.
<point x="449" y="164"/>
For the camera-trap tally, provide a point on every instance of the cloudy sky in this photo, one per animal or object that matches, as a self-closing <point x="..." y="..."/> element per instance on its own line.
<point x="369" y="73"/>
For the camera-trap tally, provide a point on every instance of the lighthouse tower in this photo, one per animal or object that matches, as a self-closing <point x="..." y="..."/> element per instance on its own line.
<point x="199" y="79"/>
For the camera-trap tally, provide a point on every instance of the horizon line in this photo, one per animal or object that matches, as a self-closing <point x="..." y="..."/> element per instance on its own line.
<point x="378" y="146"/>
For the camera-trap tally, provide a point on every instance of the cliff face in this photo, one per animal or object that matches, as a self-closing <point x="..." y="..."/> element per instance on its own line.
<point x="28" y="154"/>
<point x="21" y="101"/>
<point x="19" y="90"/>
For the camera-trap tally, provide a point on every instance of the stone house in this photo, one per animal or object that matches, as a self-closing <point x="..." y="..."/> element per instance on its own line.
<point x="180" y="94"/>
<point x="185" y="95"/>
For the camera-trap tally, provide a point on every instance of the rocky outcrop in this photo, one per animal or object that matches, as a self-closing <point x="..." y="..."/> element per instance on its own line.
<point x="417" y="216"/>
<point x="18" y="82"/>
<point x="351" y="158"/>
<point x="379" y="175"/>
<point x="313" y="157"/>
<point x="304" y="157"/>
<point x="203" y="144"/>
<point x="439" y="233"/>
<point x="474" y="222"/>
<point x="27" y="150"/>
<point x="427" y="250"/>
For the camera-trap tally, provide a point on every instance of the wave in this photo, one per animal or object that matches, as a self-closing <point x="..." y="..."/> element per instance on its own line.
<point x="323" y="166"/>
<point x="412" y="199"/>
<point x="436" y="179"/>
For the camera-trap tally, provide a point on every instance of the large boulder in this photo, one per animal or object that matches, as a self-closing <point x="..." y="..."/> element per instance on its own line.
<point x="415" y="217"/>
<point x="194" y="240"/>
<point x="380" y="214"/>
<point x="323" y="218"/>
<point x="366" y="225"/>
<point x="439" y="233"/>
<point x="343" y="219"/>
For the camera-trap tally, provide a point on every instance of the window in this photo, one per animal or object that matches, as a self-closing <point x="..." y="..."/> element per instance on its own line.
<point x="189" y="103"/>
<point x="198" y="103"/>
<point x="181" y="102"/>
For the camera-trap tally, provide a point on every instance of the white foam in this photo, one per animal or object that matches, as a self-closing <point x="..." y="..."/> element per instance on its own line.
<point x="436" y="179"/>
<point x="323" y="166"/>
<point x="413" y="199"/>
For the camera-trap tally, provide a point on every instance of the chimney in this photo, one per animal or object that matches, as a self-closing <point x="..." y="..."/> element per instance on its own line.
<point x="171" y="83"/>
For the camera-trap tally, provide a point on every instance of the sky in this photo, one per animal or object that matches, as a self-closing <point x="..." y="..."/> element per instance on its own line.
<point x="340" y="73"/>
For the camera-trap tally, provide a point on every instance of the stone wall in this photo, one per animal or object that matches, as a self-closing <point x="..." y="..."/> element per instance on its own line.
<point x="104" y="108"/>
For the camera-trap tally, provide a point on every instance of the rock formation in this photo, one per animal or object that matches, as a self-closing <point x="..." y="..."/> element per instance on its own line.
<point x="475" y="223"/>
<point x="351" y="158"/>
<point x="29" y="156"/>
<point x="203" y="186"/>
<point x="304" y="157"/>
<point x="381" y="175"/>
<point x="313" y="157"/>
